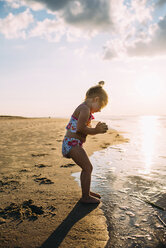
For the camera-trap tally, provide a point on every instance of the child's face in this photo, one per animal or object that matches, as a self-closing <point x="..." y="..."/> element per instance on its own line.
<point x="96" y="105"/>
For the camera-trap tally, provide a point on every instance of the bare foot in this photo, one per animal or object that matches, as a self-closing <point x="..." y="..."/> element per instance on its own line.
<point x="90" y="199"/>
<point x="95" y="194"/>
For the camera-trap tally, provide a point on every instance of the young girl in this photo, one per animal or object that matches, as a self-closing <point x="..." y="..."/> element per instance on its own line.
<point x="77" y="130"/>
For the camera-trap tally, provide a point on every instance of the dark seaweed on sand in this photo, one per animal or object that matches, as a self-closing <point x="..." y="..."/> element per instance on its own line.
<point x="25" y="210"/>
<point x="67" y="165"/>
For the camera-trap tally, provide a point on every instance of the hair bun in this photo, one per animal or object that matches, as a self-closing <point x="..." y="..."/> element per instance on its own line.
<point x="101" y="83"/>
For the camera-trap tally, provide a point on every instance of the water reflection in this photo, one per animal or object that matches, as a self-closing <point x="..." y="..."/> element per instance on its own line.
<point x="148" y="129"/>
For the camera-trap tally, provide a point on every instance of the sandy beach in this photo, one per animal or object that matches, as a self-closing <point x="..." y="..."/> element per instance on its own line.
<point x="39" y="197"/>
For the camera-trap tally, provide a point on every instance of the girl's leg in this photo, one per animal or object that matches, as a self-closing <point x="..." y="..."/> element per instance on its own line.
<point x="79" y="156"/>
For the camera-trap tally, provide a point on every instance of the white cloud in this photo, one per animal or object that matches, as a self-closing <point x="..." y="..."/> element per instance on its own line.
<point x="84" y="14"/>
<point x="156" y="45"/>
<point x="76" y="8"/>
<point x="142" y="12"/>
<point x="14" y="4"/>
<point x="114" y="48"/>
<point x="149" y="44"/>
<point x="52" y="30"/>
<point x="81" y="18"/>
<point x="34" y="5"/>
<point x="138" y="35"/>
<point x="14" y="26"/>
<point x="73" y="34"/>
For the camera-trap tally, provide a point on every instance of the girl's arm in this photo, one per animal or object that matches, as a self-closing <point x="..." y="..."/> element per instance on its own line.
<point x="82" y="124"/>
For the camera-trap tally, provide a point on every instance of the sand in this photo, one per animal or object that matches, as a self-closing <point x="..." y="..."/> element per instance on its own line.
<point x="39" y="204"/>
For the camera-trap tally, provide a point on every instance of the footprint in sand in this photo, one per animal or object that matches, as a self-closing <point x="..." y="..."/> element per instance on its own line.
<point x="10" y="184"/>
<point x="50" y="211"/>
<point x="67" y="165"/>
<point x="41" y="165"/>
<point x="43" y="180"/>
<point x="24" y="170"/>
<point x="105" y="145"/>
<point x="25" y="210"/>
<point x="39" y="155"/>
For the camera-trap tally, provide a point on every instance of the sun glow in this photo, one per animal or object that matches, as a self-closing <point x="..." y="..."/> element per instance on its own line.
<point x="149" y="128"/>
<point x="149" y="86"/>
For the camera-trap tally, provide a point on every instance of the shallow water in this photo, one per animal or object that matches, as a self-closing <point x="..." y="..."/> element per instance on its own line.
<point x="131" y="178"/>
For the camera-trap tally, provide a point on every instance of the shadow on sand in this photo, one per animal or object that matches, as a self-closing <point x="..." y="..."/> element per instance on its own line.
<point x="78" y="212"/>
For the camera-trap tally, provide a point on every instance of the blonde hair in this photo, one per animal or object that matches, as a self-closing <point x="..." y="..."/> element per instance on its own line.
<point x="98" y="91"/>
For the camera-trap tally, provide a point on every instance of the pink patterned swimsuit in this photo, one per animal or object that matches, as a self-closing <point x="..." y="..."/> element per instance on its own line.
<point x="68" y="143"/>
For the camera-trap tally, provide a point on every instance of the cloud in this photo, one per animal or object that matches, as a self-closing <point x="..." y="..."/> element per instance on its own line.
<point x="81" y="13"/>
<point x="14" y="4"/>
<point x="148" y="45"/>
<point x="52" y="30"/>
<point x="114" y="48"/>
<point x="70" y="20"/>
<point x="160" y="3"/>
<point x="54" y="5"/>
<point x="139" y="35"/>
<point x="156" y="45"/>
<point x="14" y="26"/>
<point x="34" y="5"/>
<point x="88" y="14"/>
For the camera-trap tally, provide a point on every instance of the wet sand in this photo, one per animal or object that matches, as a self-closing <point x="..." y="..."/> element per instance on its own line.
<point x="39" y="197"/>
<point x="135" y="215"/>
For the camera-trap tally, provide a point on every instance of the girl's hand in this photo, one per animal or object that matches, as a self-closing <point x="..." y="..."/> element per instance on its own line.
<point x="101" y="127"/>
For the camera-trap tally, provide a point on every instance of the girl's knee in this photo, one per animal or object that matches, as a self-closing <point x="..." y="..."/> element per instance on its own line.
<point x="88" y="169"/>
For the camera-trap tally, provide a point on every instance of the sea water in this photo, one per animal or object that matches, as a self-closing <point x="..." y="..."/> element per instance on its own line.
<point x="130" y="178"/>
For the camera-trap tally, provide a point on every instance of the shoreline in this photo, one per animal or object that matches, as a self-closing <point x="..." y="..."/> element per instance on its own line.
<point x="35" y="170"/>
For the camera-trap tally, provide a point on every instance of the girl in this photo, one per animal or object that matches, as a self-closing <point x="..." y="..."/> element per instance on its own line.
<point x="77" y="130"/>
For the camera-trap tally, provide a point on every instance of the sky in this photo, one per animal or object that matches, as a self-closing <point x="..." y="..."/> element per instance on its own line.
<point x="52" y="52"/>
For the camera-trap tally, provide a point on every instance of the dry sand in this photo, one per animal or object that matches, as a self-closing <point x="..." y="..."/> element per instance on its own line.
<point x="39" y="204"/>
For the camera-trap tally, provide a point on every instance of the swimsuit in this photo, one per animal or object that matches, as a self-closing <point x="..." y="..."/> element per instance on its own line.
<point x="68" y="143"/>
